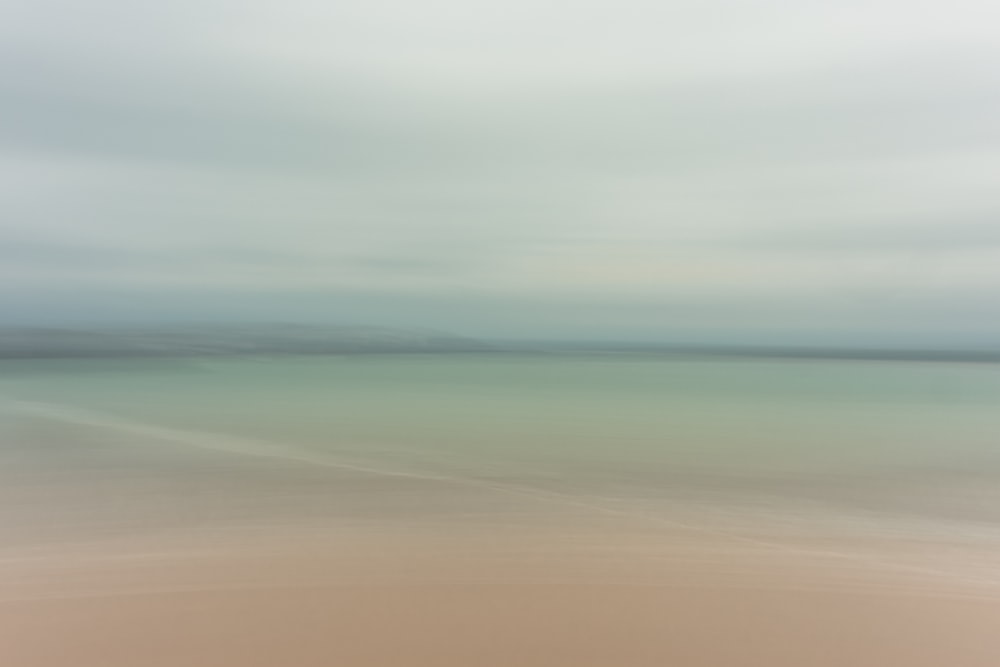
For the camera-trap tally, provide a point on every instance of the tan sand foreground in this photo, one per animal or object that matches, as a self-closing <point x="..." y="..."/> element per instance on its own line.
<point x="481" y="613"/>
<point x="114" y="555"/>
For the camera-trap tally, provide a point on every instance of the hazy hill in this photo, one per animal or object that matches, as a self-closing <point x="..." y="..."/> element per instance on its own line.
<point x="224" y="340"/>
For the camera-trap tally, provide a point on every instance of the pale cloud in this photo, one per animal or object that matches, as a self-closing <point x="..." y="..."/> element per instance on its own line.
<point x="521" y="166"/>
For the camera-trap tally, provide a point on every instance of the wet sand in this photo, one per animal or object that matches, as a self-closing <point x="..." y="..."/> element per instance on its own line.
<point x="116" y="555"/>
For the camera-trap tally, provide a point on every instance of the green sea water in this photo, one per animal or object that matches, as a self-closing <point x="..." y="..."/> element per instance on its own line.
<point x="554" y="414"/>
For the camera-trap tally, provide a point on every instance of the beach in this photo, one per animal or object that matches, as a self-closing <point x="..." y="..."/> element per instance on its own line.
<point x="444" y="625"/>
<point x="142" y="565"/>
<point x="134" y="540"/>
<point x="553" y="590"/>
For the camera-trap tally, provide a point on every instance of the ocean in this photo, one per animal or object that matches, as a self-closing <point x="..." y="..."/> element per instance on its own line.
<point x="640" y="425"/>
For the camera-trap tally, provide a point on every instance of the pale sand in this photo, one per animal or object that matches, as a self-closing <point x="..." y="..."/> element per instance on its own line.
<point x="118" y="556"/>
<point x="437" y="608"/>
<point x="467" y="625"/>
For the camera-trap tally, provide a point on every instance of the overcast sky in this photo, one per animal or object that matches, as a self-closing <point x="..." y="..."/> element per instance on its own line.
<point x="718" y="169"/>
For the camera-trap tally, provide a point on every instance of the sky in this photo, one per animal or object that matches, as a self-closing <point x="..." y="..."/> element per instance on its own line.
<point x="732" y="170"/>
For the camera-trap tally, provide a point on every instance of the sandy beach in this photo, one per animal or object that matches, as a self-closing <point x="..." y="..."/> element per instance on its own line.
<point x="124" y="552"/>
<point x="440" y="610"/>
<point x="553" y="587"/>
